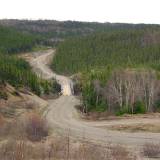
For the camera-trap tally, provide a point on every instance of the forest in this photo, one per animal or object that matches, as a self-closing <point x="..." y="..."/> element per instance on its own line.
<point x="119" y="69"/>
<point x="118" y="63"/>
<point x="17" y="71"/>
<point x="52" y="32"/>
<point x="12" y="41"/>
<point x="109" y="49"/>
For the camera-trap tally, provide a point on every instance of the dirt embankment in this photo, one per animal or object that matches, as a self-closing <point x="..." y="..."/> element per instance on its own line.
<point x="14" y="103"/>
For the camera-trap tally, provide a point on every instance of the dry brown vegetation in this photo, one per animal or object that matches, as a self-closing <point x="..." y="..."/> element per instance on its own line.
<point x="30" y="126"/>
<point x="25" y="139"/>
<point x="151" y="150"/>
<point x="128" y="87"/>
<point x="36" y="127"/>
<point x="154" y="128"/>
<point x="62" y="149"/>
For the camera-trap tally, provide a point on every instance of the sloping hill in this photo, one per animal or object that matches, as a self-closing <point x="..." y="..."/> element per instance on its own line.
<point x="17" y="71"/>
<point x="109" y="49"/>
<point x="52" y="31"/>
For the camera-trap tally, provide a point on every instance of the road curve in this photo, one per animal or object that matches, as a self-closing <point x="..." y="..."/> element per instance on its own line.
<point x="39" y="64"/>
<point x="63" y="117"/>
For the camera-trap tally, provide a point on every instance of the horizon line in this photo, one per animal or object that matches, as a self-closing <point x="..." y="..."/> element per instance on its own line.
<point x="83" y="21"/>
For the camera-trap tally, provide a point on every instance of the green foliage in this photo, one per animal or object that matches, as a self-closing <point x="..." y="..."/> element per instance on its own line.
<point x="56" y="88"/>
<point x="50" y="86"/>
<point x="101" y="106"/>
<point x="12" y="41"/>
<point x="139" y="107"/>
<point x="157" y="105"/>
<point x="91" y="100"/>
<point x="51" y="32"/>
<point x="124" y="48"/>
<point x="17" y="71"/>
<point x="122" y="111"/>
<point x="97" y="56"/>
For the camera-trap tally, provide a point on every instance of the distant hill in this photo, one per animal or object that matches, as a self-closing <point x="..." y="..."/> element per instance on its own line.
<point x="52" y="31"/>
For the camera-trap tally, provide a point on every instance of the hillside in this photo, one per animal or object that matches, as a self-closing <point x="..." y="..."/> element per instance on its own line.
<point x="51" y="31"/>
<point x="17" y="71"/>
<point x="120" y="69"/>
<point x="109" y="49"/>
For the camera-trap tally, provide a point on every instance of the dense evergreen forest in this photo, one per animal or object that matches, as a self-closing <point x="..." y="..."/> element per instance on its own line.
<point x="12" y="41"/>
<point x="109" y="49"/>
<point x="119" y="69"/>
<point x="17" y="71"/>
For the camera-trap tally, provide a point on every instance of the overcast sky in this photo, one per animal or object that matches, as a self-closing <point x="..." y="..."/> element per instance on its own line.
<point x="134" y="11"/>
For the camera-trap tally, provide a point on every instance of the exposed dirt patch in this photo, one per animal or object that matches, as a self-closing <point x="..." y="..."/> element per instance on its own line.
<point x="18" y="102"/>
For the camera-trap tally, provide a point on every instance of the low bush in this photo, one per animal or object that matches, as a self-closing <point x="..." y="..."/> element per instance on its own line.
<point x="36" y="127"/>
<point x="56" y="88"/>
<point x="157" y="106"/>
<point x="3" y="95"/>
<point x="120" y="153"/>
<point x="151" y="150"/>
<point x="77" y="88"/>
<point x="122" y="111"/>
<point x="61" y="148"/>
<point x="14" y="150"/>
<point x="1" y="121"/>
<point x="139" y="107"/>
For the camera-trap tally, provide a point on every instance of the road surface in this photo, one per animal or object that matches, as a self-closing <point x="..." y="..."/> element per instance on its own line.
<point x="63" y="117"/>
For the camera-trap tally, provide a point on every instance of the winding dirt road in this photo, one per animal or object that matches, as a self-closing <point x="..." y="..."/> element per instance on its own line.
<point x="63" y="117"/>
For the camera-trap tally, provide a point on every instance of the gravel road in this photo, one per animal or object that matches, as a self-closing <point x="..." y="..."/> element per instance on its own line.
<point x="63" y="117"/>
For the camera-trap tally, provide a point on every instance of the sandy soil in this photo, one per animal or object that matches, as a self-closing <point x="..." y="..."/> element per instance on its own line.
<point x="63" y="117"/>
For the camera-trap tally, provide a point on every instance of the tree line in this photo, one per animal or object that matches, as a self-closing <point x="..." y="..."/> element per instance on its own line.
<point x="124" y="91"/>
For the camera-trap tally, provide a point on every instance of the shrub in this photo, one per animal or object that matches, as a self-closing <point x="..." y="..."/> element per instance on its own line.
<point x="120" y="153"/>
<point x="157" y="106"/>
<point x="151" y="150"/>
<point x="1" y="121"/>
<point x="15" y="150"/>
<point x="36" y="128"/>
<point x="61" y="148"/>
<point x="77" y="88"/>
<point x="122" y="111"/>
<point x="102" y="107"/>
<point x="3" y="95"/>
<point x="56" y="87"/>
<point x="139" y="107"/>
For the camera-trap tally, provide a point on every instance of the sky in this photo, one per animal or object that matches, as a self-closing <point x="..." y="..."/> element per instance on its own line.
<point x="127" y="11"/>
